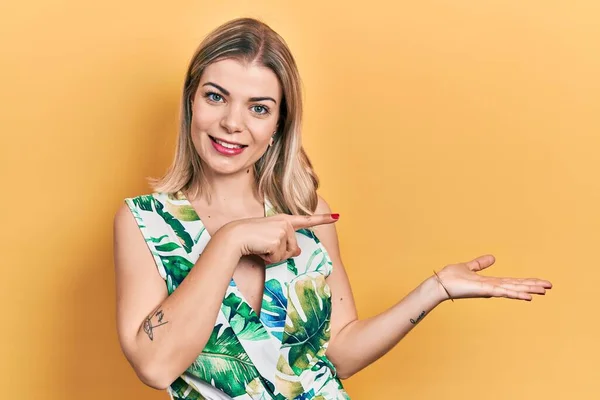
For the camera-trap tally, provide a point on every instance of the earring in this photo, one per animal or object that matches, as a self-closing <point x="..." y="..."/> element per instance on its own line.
<point x="272" y="139"/>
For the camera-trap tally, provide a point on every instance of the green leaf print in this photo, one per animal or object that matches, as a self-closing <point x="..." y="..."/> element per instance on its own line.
<point x="175" y="224"/>
<point x="156" y="239"/>
<point x="322" y="260"/>
<point x="144" y="202"/>
<point x="274" y="306"/>
<point x="276" y="264"/>
<point x="308" y="233"/>
<point x="243" y="319"/>
<point x="307" y="328"/>
<point x="177" y="267"/>
<point x="170" y="286"/>
<point x="180" y="387"/>
<point x="257" y="391"/>
<point x="183" y="212"/>
<point x="200" y="232"/>
<point x="286" y="380"/>
<point x="170" y="246"/>
<point x="291" y="265"/>
<point x="149" y="203"/>
<point x="224" y="364"/>
<point x="136" y="214"/>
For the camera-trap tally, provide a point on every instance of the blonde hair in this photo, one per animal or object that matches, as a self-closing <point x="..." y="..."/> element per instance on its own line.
<point x="284" y="174"/>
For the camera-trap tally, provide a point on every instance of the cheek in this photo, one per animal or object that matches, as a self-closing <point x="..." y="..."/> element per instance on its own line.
<point x="262" y="131"/>
<point x="203" y="117"/>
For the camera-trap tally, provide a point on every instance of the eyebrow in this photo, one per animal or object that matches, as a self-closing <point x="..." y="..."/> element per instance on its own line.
<point x="226" y="92"/>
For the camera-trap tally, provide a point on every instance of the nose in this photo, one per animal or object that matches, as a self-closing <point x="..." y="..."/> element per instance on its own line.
<point x="233" y="120"/>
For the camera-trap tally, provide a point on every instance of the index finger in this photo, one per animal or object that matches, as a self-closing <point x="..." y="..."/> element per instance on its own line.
<point x="306" y="221"/>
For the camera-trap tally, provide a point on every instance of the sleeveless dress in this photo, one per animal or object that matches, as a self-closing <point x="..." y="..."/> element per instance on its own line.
<point x="279" y="355"/>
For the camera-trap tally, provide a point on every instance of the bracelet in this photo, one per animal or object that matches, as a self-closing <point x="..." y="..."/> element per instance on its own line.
<point x="440" y="281"/>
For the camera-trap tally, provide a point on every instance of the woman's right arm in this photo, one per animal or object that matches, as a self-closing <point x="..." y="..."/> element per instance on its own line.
<point x="162" y="335"/>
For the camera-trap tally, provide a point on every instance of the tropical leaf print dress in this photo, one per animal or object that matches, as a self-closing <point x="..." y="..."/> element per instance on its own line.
<point x="279" y="355"/>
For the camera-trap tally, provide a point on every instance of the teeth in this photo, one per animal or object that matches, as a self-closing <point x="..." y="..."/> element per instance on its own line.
<point x="228" y="145"/>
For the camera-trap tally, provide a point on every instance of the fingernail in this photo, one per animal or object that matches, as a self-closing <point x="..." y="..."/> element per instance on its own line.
<point x="335" y="216"/>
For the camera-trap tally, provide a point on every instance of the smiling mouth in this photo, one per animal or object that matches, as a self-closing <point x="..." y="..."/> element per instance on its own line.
<point x="227" y="145"/>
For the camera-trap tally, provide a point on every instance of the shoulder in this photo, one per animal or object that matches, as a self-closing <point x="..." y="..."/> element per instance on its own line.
<point x="136" y="223"/>
<point x="143" y="200"/>
<point x="322" y="206"/>
<point x="124" y="219"/>
<point x="149" y="202"/>
<point x="129" y="211"/>
<point x="123" y="215"/>
<point x="326" y="233"/>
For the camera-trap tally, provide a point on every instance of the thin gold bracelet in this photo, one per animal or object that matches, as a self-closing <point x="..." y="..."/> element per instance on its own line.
<point x="440" y="281"/>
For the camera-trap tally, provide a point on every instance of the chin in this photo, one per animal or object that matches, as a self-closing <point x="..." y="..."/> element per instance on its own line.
<point x="225" y="169"/>
<point x="220" y="165"/>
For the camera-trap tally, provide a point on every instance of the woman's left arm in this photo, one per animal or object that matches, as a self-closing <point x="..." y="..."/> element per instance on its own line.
<point x="355" y="344"/>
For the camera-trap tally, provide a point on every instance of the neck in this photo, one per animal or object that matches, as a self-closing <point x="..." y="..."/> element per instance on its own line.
<point x="229" y="192"/>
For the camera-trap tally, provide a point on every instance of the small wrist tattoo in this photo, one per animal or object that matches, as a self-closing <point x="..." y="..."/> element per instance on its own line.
<point x="420" y="317"/>
<point x="149" y="325"/>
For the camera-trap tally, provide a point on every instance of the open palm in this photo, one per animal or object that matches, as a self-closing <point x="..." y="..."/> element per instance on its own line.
<point x="463" y="281"/>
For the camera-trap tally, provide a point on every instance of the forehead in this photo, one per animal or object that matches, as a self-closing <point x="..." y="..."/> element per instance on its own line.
<point x="242" y="79"/>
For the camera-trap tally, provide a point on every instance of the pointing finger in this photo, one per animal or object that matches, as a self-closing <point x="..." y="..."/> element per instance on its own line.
<point x="306" y="221"/>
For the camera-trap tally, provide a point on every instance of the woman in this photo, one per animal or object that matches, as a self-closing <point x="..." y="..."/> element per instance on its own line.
<point x="243" y="293"/>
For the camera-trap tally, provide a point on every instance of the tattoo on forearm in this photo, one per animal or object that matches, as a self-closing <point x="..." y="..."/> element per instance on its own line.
<point x="420" y="317"/>
<point x="149" y="325"/>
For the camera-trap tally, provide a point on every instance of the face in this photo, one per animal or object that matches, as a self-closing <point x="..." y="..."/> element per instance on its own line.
<point x="234" y="115"/>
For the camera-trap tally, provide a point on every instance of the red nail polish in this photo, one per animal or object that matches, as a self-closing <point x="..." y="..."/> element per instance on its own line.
<point x="335" y="216"/>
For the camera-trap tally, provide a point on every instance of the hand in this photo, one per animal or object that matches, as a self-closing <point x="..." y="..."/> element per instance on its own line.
<point x="462" y="281"/>
<point x="272" y="238"/>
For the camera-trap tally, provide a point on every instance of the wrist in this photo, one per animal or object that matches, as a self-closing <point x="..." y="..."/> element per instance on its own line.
<point x="228" y="240"/>
<point x="434" y="290"/>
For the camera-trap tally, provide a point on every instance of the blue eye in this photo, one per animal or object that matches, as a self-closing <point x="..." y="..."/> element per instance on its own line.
<point x="214" y="96"/>
<point x="262" y="110"/>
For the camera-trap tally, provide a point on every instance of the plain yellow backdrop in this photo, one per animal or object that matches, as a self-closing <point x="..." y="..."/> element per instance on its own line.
<point x="441" y="130"/>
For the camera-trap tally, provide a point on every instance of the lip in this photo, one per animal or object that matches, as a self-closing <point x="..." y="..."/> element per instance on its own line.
<point x="227" y="141"/>
<point x="225" y="151"/>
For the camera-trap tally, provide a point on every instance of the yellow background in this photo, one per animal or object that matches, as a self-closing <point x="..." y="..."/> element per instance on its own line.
<point x="441" y="130"/>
